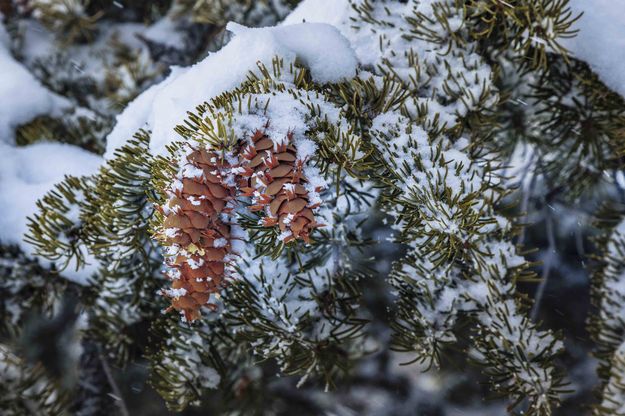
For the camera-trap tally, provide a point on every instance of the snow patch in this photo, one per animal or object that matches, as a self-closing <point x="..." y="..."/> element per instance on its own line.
<point x="601" y="39"/>
<point x="26" y="174"/>
<point x="22" y="96"/>
<point x="320" y="47"/>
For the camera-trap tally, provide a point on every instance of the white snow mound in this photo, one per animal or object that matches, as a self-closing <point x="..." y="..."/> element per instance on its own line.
<point x="320" y="47"/>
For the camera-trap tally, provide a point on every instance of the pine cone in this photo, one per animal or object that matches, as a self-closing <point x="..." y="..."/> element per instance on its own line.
<point x="272" y="175"/>
<point x="199" y="239"/>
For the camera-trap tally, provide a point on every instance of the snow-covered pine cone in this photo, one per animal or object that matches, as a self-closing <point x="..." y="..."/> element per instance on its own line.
<point x="199" y="239"/>
<point x="273" y="176"/>
<point x="196" y="228"/>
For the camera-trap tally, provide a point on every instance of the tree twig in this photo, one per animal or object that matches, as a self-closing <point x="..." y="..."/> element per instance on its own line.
<point x="114" y="387"/>
<point x="548" y="264"/>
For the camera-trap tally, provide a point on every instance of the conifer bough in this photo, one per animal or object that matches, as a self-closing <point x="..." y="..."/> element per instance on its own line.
<point x="265" y="200"/>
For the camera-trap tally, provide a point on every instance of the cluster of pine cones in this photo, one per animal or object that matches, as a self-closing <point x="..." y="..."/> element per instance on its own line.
<point x="198" y="225"/>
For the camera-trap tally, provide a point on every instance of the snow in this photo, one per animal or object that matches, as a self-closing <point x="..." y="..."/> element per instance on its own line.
<point x="601" y="39"/>
<point x="333" y="12"/>
<point x="26" y="174"/>
<point x="319" y="46"/>
<point x="21" y="95"/>
<point x="164" y="31"/>
<point x="38" y="46"/>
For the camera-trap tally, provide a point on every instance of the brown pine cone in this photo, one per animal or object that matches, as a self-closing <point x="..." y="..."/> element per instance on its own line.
<point x="272" y="175"/>
<point x="199" y="240"/>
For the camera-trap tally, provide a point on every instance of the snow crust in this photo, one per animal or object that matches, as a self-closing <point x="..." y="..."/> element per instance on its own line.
<point x="320" y="47"/>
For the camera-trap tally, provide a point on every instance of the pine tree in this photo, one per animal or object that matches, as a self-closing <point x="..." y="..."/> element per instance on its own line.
<point x="243" y="261"/>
